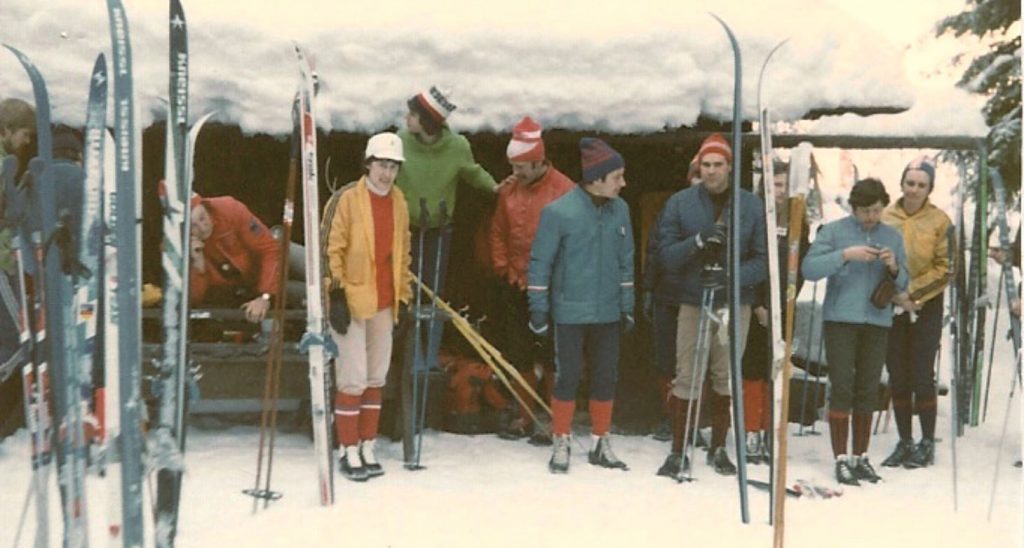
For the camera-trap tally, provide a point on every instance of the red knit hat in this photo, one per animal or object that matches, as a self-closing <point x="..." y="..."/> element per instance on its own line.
<point x="435" y="102"/>
<point x="717" y="144"/>
<point x="526" y="144"/>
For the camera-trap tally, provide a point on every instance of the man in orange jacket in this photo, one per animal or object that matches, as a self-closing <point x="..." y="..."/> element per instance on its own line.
<point x="234" y="258"/>
<point x="534" y="183"/>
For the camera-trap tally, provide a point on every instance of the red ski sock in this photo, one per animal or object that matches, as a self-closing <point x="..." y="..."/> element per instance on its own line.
<point x="721" y="407"/>
<point x="600" y="416"/>
<point x="680" y="416"/>
<point x="369" y="413"/>
<point x="839" y="430"/>
<point x="346" y="418"/>
<point x="561" y="416"/>
<point x="753" y="404"/>
<point x="861" y="432"/>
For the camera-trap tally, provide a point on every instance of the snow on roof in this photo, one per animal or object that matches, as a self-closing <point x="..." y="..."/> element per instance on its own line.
<point x="621" y="67"/>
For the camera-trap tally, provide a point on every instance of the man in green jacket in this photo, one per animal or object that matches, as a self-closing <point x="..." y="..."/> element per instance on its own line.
<point x="581" y="277"/>
<point x="436" y="160"/>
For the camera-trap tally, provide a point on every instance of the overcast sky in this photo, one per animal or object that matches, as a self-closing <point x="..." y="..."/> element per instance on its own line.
<point x="619" y="66"/>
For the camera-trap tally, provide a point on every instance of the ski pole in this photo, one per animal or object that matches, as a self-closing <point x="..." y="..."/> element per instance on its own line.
<point x="431" y="327"/>
<point x="417" y="353"/>
<point x="1002" y="438"/>
<point x="992" y="346"/>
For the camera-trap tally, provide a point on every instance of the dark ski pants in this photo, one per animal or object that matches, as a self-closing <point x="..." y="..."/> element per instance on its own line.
<point x="910" y="360"/>
<point x="521" y="347"/>
<point x="436" y="246"/>
<point x="594" y="344"/>
<point x="665" y="323"/>
<point x="855" y="354"/>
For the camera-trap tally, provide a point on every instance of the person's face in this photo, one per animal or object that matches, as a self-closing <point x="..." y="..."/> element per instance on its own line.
<point x="412" y="123"/>
<point x="528" y="172"/>
<point x="869" y="216"/>
<point x="382" y="173"/>
<point x="915" y="187"/>
<point x="202" y="224"/>
<point x="714" y="172"/>
<point x="15" y="141"/>
<point x="610" y="185"/>
<point x="779" y="182"/>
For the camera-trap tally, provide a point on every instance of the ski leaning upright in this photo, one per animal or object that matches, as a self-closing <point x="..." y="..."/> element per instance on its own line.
<point x="317" y="341"/>
<point x="54" y="265"/>
<point x="733" y="291"/>
<point x="168" y="440"/>
<point x="128" y="219"/>
<point x="799" y="181"/>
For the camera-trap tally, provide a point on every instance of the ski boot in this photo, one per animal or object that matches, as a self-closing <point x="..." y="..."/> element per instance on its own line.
<point x="663" y="430"/>
<point x="366" y="453"/>
<point x="560" y="454"/>
<point x="844" y="474"/>
<point x="755" y="448"/>
<point x="540" y="438"/>
<point x="516" y="429"/>
<point x="899" y="456"/>
<point x="863" y="470"/>
<point x="675" y="466"/>
<point x="602" y="455"/>
<point x="718" y="459"/>
<point x="923" y="455"/>
<point x="351" y="464"/>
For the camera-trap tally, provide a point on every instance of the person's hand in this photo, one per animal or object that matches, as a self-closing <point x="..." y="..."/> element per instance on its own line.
<point x="256" y="309"/>
<point x="627" y="322"/>
<point x="761" y="313"/>
<point x="714" y="234"/>
<point x="195" y="249"/>
<point x="1015" y="307"/>
<point x="339" y="313"/>
<point x="539" y="324"/>
<point x="860" y="253"/>
<point x="511" y="179"/>
<point x="889" y="258"/>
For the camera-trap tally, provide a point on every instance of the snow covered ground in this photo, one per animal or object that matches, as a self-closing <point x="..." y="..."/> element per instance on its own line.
<point x="483" y="491"/>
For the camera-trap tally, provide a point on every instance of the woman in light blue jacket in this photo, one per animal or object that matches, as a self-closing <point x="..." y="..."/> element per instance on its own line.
<point x="856" y="253"/>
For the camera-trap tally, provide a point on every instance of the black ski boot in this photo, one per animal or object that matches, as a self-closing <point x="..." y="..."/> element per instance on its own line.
<point x="516" y="429"/>
<point x="904" y="449"/>
<point x="559" y="463"/>
<point x="663" y="430"/>
<point x="864" y="471"/>
<point x="923" y="455"/>
<point x="540" y="438"/>
<point x="351" y="464"/>
<point x="673" y="465"/>
<point x="602" y="455"/>
<point x="719" y="460"/>
<point x="366" y="453"/>
<point x="844" y="474"/>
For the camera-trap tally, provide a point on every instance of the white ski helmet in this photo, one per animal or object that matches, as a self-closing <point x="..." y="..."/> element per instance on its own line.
<point x="384" y="146"/>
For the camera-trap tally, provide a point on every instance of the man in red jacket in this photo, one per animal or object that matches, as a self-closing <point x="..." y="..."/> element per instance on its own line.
<point x="534" y="183"/>
<point x="234" y="257"/>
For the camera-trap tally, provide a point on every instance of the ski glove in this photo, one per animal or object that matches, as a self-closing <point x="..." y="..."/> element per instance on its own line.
<point x="714" y="234"/>
<point x="340" y="317"/>
<point x="539" y="323"/>
<point x="627" y="323"/>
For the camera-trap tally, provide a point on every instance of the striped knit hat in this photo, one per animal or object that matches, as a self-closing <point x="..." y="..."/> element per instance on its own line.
<point x="435" y="102"/>
<point x="598" y="159"/>
<point x="922" y="163"/>
<point x="715" y="143"/>
<point x="526" y="144"/>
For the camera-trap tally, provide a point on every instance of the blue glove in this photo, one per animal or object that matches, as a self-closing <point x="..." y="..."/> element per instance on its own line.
<point x="539" y="323"/>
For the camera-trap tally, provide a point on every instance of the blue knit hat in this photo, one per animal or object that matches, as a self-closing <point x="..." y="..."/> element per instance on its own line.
<point x="925" y="165"/>
<point x="598" y="159"/>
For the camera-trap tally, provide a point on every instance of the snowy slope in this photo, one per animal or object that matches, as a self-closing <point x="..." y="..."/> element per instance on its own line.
<point x="482" y="491"/>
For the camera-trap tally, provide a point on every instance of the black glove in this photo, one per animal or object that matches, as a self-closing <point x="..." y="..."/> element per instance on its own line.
<point x="539" y="323"/>
<point x="712" y="235"/>
<point x="713" y="276"/>
<point x="626" y="322"/>
<point x="340" y="317"/>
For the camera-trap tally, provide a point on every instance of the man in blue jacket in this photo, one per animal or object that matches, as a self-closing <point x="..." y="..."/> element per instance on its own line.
<point x="693" y="236"/>
<point x="581" y="279"/>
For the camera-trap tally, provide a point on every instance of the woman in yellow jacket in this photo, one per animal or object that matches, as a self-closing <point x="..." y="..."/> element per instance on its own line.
<point x="366" y="227"/>
<point x="914" y="336"/>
